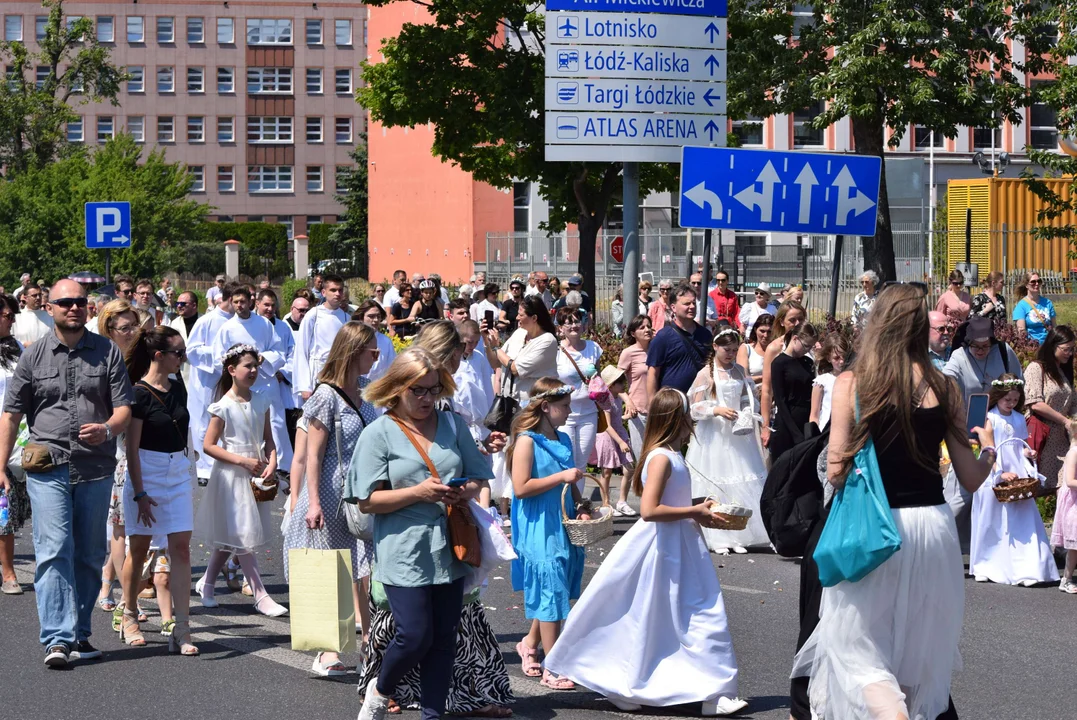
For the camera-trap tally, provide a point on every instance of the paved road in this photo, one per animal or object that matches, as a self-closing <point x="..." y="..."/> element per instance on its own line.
<point x="1017" y="644"/>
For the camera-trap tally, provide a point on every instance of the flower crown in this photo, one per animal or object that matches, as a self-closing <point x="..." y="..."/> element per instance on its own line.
<point x="555" y="393"/>
<point x="1012" y="384"/>
<point x="237" y="350"/>
<point x="726" y="331"/>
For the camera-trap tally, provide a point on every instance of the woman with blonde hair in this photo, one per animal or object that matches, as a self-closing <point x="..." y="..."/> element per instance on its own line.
<point x="886" y="645"/>
<point x="790" y="316"/>
<point x="400" y="473"/>
<point x="335" y="416"/>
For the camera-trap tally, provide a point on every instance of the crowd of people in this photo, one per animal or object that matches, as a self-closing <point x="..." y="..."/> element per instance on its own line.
<point x="116" y="408"/>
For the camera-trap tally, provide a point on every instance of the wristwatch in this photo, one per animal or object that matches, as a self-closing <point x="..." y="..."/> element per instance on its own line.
<point x="108" y="432"/>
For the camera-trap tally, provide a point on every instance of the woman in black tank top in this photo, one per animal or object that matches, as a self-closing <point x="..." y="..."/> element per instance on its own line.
<point x="889" y="641"/>
<point x="428" y="307"/>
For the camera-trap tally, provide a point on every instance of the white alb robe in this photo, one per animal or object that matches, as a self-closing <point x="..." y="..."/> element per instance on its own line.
<point x="287" y="340"/>
<point x="474" y="394"/>
<point x="32" y="325"/>
<point x="205" y="372"/>
<point x="385" y="357"/>
<point x="316" y="334"/>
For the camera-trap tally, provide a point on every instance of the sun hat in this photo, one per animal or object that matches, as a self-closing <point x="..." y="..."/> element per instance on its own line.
<point x="611" y="374"/>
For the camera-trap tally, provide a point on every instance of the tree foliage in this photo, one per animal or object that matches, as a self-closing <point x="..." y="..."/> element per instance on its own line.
<point x="263" y="246"/>
<point x="476" y="72"/>
<point x="886" y="64"/>
<point x="33" y="118"/>
<point x="348" y="238"/>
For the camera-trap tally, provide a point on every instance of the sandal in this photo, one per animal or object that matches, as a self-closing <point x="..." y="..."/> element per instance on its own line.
<point x="167" y="626"/>
<point x="130" y="633"/>
<point x="180" y="639"/>
<point x="554" y="681"/>
<point x="394" y="707"/>
<point x="106" y="603"/>
<point x="332" y="670"/>
<point x="528" y="665"/>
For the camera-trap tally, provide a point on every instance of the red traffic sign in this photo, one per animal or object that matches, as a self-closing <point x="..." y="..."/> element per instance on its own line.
<point x="617" y="249"/>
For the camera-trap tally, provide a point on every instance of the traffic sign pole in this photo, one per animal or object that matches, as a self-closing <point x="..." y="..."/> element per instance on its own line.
<point x="108" y="265"/>
<point x="835" y="274"/>
<point x="630" y="279"/>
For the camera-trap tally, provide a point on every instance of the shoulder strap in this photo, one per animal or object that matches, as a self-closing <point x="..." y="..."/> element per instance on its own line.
<point x="418" y="448"/>
<point x="1003" y="350"/>
<point x="578" y="372"/>
<point x="157" y="397"/>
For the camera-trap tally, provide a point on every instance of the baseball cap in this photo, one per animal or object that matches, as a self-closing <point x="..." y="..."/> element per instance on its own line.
<point x="575" y="280"/>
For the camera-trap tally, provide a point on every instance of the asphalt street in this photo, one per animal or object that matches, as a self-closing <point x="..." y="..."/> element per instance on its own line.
<point x="1018" y="648"/>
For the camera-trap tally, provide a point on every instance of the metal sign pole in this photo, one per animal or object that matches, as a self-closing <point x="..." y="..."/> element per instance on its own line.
<point x="108" y="265"/>
<point x="630" y="280"/>
<point x="835" y="275"/>
<point x="706" y="276"/>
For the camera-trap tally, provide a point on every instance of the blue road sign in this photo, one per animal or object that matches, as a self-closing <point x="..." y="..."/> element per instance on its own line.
<point x="108" y="225"/>
<point x="771" y="191"/>
<point x="712" y="8"/>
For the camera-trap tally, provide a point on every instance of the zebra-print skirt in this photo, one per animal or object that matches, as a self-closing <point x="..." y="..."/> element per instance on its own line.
<point x="479" y="677"/>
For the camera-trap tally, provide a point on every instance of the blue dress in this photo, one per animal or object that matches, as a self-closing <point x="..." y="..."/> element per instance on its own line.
<point x="549" y="569"/>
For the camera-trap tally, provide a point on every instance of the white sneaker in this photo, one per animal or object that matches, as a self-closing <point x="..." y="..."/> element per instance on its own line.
<point x="208" y="601"/>
<point x="724" y="706"/>
<point x="623" y="705"/>
<point x="1067" y="586"/>
<point x="1028" y="583"/>
<point x="374" y="705"/>
<point x="740" y="550"/>
<point x="623" y="508"/>
<point x="980" y="578"/>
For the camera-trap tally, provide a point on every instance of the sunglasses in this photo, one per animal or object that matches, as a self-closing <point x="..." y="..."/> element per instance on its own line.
<point x="941" y="329"/>
<point x="180" y="354"/>
<point x="68" y="303"/>
<point x="955" y="282"/>
<point x="182" y="303"/>
<point x="420" y="391"/>
<point x="1033" y="282"/>
<point x="301" y="310"/>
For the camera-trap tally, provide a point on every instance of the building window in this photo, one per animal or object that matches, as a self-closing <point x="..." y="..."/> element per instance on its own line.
<point x="136" y="126"/>
<point x="226" y="178"/>
<point x="166" y="30"/>
<point x="1043" y="124"/>
<point x="136" y="29"/>
<point x="314" y="81"/>
<point x="226" y="80"/>
<point x="314" y="178"/>
<point x="13" y="28"/>
<point x="269" y="80"/>
<point x="314" y="32"/>
<point x="269" y="178"/>
<point x="269" y="129"/>
<point x="269" y="31"/>
<point x="982" y="138"/>
<point x="196" y="30"/>
<point x="804" y="135"/>
<point x="521" y="207"/>
<point x="314" y="129"/>
<point x="41" y="74"/>
<point x="226" y="129"/>
<point x="749" y="130"/>
<point x="343" y="81"/>
<point x="226" y="31"/>
<point x="74" y="131"/>
<point x="136" y="79"/>
<point x="40" y="24"/>
<point x="803" y="17"/>
<point x="166" y="80"/>
<point x="751" y="245"/>
<point x="198" y="176"/>
<point x="196" y="80"/>
<point x="341" y="179"/>
<point x="105" y="129"/>
<point x="78" y="86"/>
<point x="343" y="32"/>
<point x="922" y="138"/>
<point x="196" y="129"/>
<point x="344" y="129"/>
<point x="166" y="129"/>
<point x="286" y="221"/>
<point x="71" y="20"/>
<point x="313" y="220"/>
<point x="106" y="29"/>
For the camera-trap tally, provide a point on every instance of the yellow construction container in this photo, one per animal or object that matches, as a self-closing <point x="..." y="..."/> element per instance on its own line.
<point x="1004" y="212"/>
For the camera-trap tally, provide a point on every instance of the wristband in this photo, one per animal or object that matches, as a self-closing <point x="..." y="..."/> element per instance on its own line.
<point x="140" y="495"/>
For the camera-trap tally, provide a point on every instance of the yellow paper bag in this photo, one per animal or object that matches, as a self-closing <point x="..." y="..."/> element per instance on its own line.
<point x="322" y="611"/>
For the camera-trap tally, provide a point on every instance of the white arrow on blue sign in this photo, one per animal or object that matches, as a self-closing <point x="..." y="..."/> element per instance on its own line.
<point x="578" y="94"/>
<point x="596" y="28"/>
<point x="108" y="225"/>
<point x="713" y="8"/>
<point x="772" y="191"/>
<point x="593" y="128"/>
<point x="651" y="63"/>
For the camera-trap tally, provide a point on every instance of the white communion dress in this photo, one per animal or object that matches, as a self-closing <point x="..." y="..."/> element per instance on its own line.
<point x="723" y="465"/>
<point x="651" y="628"/>
<point x="1009" y="543"/>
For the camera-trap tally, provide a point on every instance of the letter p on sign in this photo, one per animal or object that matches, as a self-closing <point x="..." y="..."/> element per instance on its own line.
<point x="108" y="225"/>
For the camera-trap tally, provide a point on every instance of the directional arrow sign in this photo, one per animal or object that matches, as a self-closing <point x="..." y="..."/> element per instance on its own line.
<point x="635" y="95"/>
<point x="770" y="191"/>
<point x="650" y="63"/>
<point x="108" y="225"/>
<point x="602" y="28"/>
<point x="715" y="8"/>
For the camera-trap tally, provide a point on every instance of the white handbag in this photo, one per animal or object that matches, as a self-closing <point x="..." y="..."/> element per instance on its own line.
<point x="746" y="417"/>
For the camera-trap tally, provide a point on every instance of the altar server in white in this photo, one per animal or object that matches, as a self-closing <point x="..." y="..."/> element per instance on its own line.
<point x="266" y="306"/>
<point x="247" y="328"/>
<point x="205" y="372"/>
<point x="316" y="334"/>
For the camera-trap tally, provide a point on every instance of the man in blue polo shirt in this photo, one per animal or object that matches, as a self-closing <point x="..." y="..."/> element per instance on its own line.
<point x="679" y="350"/>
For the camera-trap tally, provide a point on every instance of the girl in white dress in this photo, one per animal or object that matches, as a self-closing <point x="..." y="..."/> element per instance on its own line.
<point x="831" y="362"/>
<point x="725" y="461"/>
<point x="651" y="627"/>
<point x="229" y="518"/>
<point x="1009" y="544"/>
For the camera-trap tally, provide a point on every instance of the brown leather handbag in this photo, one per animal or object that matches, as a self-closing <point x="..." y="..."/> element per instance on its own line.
<point x="36" y="458"/>
<point x="463" y="530"/>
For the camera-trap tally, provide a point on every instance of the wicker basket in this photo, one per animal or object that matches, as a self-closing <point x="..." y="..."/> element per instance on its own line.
<point x="728" y="521"/>
<point x="267" y="495"/>
<point x="582" y="533"/>
<point x="1017" y="490"/>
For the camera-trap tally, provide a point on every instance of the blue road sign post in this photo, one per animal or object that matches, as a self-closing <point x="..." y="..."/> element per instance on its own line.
<point x="773" y="191"/>
<point x="108" y="226"/>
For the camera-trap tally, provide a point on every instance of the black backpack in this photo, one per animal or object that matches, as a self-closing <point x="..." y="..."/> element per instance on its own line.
<point x="792" y="499"/>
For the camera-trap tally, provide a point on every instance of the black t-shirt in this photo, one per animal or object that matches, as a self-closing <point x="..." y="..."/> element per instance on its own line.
<point x="164" y="427"/>
<point x="511" y="308"/>
<point x="399" y="313"/>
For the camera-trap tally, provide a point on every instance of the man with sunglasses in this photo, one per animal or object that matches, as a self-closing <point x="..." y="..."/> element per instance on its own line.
<point x="939" y="336"/>
<point x="183" y="323"/>
<point x="300" y="307"/>
<point x="33" y="323"/>
<point x="72" y="388"/>
<point x="542" y="288"/>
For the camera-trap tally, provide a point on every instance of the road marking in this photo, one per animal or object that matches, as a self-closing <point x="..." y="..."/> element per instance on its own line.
<point x="750" y="591"/>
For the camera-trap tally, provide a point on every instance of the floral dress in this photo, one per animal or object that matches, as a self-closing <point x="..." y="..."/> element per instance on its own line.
<point x="997" y="314"/>
<point x="861" y="307"/>
<point x="1040" y="387"/>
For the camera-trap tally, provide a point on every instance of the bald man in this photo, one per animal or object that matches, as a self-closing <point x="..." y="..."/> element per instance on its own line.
<point x="939" y="337"/>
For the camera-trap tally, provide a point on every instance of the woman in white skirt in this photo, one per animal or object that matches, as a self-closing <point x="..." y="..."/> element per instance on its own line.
<point x="885" y="647"/>
<point x="157" y="497"/>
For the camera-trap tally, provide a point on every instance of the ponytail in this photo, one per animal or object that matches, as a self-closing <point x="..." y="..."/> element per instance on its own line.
<point x="145" y="349"/>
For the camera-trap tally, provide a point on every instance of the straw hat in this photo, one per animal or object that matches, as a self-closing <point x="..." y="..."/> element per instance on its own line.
<point x="611" y="374"/>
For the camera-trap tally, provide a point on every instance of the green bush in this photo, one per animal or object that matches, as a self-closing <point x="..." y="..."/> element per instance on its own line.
<point x="199" y="295"/>
<point x="287" y="292"/>
<point x="264" y="246"/>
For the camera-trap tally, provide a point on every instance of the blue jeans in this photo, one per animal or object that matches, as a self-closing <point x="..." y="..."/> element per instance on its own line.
<point x="70" y="545"/>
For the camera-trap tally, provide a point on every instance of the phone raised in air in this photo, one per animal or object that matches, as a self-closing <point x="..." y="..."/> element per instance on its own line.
<point x="977" y="413"/>
<point x="489" y="319"/>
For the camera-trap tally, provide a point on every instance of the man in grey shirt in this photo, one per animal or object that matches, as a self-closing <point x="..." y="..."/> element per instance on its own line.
<point x="72" y="387"/>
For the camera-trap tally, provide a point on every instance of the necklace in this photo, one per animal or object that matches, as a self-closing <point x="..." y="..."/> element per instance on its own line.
<point x="981" y="372"/>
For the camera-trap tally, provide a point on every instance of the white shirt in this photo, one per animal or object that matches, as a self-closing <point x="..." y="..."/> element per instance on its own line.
<point x="478" y="311"/>
<point x="213" y="296"/>
<point x="32" y="325"/>
<point x="590" y="357"/>
<point x="474" y="394"/>
<point x="385" y="357"/>
<point x="749" y="313"/>
<point x="91" y="326"/>
<point x="205" y="370"/>
<point x="287" y="341"/>
<point x="179" y="326"/>
<point x="257" y="331"/>
<point x="391" y="297"/>
<point x="316" y="334"/>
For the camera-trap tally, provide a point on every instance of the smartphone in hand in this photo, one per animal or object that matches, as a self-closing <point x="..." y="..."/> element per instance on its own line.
<point x="977" y="413"/>
<point x="457" y="482"/>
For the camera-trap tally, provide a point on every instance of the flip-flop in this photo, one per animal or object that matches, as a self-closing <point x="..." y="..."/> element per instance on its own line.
<point x="528" y="665"/>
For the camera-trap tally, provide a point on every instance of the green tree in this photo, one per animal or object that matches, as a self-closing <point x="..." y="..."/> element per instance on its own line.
<point x="349" y="236"/>
<point x="885" y="64"/>
<point x="32" y="116"/>
<point x="42" y="224"/>
<point x="476" y="72"/>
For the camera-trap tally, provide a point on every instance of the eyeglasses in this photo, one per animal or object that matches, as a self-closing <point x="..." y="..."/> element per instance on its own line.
<point x="123" y="329"/>
<point x="420" y="391"/>
<point x="182" y="303"/>
<point x="664" y="289"/>
<point x="68" y="303"/>
<point x="722" y="280"/>
<point x="301" y="310"/>
<point x="942" y="329"/>
<point x="761" y="294"/>
<point x="955" y="282"/>
<point x="982" y="346"/>
<point x="180" y="354"/>
<point x="144" y="293"/>
<point x="571" y="324"/>
<point x="123" y="291"/>
<point x="1034" y="282"/>
<point x="697" y="284"/>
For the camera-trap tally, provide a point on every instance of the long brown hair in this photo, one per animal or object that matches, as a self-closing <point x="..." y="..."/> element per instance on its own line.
<point x="894" y="345"/>
<point x="531" y="416"/>
<point x="1000" y="391"/>
<point x="778" y="328"/>
<point x="668" y="422"/>
<point x="351" y="340"/>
